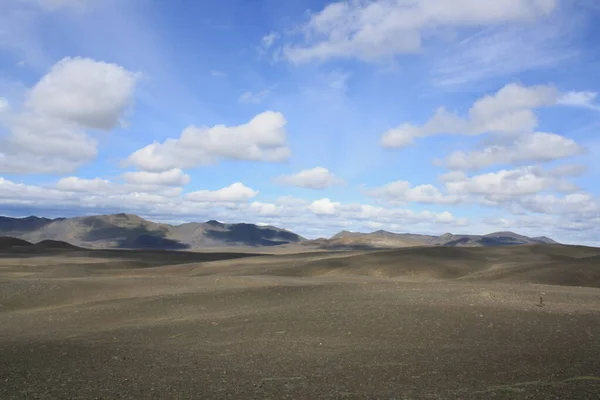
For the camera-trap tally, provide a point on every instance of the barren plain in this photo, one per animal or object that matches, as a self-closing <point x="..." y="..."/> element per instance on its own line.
<point x="414" y="323"/>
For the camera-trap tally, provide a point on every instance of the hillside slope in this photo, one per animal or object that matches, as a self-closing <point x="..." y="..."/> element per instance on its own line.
<point x="551" y="264"/>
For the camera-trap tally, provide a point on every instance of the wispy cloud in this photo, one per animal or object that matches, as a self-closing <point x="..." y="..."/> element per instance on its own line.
<point x="502" y="51"/>
<point x="580" y="99"/>
<point x="379" y="29"/>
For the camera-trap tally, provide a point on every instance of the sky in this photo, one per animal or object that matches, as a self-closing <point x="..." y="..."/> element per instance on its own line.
<point x="421" y="116"/>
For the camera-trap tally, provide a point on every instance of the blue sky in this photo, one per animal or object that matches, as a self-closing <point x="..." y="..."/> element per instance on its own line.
<point x="411" y="116"/>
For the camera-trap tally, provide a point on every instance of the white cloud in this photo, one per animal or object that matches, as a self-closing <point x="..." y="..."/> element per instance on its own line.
<point x="261" y="139"/>
<point x="506" y="185"/>
<point x="267" y="209"/>
<point x="90" y="93"/>
<point x="507" y="111"/>
<point x="315" y="178"/>
<point x="92" y="188"/>
<point x="48" y="135"/>
<point x="41" y="144"/>
<point x="372" y="30"/>
<point x="404" y="192"/>
<point x="500" y="188"/>
<point x="573" y="203"/>
<point x="253" y="98"/>
<point x="19" y="193"/>
<point x="580" y="99"/>
<point x="235" y="193"/>
<point x="172" y="177"/>
<point x="534" y="147"/>
<point x="324" y="207"/>
<point x="76" y="184"/>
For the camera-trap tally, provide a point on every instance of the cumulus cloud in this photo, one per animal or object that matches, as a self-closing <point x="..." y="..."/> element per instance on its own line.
<point x="19" y="193"/>
<point x="269" y="209"/>
<point x="372" y="30"/>
<point x="38" y="143"/>
<point x="324" y="207"/>
<point x="495" y="188"/>
<point x="253" y="98"/>
<point x="103" y="187"/>
<point x="315" y="178"/>
<point x="404" y="192"/>
<point x="579" y="203"/>
<point x="261" y="139"/>
<point x="83" y="91"/>
<point x="76" y="184"/>
<point x="526" y="148"/>
<point x="235" y="193"/>
<point x="48" y="134"/>
<point x="172" y="177"/>
<point x="509" y="111"/>
<point x="507" y="185"/>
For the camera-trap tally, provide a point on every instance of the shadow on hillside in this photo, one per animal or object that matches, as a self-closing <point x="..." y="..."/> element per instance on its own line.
<point x="252" y="235"/>
<point x="138" y="237"/>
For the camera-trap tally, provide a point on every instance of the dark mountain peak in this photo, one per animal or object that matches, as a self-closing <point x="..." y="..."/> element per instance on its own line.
<point x="213" y="222"/>
<point x="15" y="226"/>
<point x="34" y="218"/>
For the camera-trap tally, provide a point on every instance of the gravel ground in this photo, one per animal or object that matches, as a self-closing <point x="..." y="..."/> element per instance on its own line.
<point x="165" y="333"/>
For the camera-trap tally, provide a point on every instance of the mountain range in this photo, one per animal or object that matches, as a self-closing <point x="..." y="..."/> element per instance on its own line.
<point x="133" y="232"/>
<point x="384" y="239"/>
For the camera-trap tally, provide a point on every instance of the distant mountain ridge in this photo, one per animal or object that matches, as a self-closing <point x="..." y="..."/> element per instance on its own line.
<point x="134" y="232"/>
<point x="131" y="231"/>
<point x="385" y="239"/>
